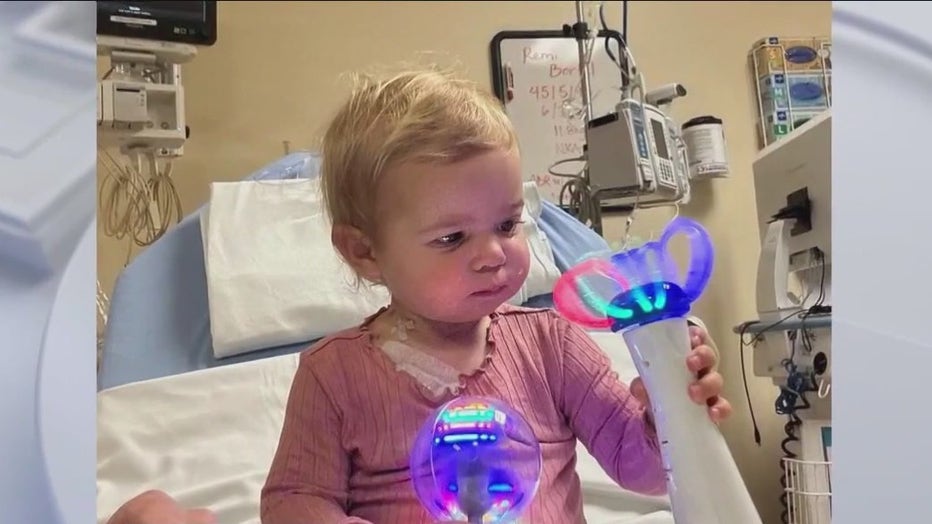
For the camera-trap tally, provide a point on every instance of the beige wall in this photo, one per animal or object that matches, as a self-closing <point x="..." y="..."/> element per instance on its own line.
<point x="273" y="76"/>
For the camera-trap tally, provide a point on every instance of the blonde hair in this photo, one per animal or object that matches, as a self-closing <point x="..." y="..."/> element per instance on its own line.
<point x="417" y="116"/>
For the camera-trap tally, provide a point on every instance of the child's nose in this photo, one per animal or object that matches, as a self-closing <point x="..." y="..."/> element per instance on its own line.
<point x="490" y="255"/>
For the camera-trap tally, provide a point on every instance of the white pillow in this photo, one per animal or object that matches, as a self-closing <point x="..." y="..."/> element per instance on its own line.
<point x="274" y="278"/>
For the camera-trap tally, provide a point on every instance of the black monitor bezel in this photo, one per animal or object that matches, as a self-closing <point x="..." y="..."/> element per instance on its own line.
<point x="206" y="34"/>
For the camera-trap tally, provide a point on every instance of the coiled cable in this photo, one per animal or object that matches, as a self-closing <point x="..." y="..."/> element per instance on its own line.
<point x="791" y="400"/>
<point x="790" y="430"/>
<point x="138" y="205"/>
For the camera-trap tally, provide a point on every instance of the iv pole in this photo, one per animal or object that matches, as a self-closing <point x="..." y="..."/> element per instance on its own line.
<point x="581" y="34"/>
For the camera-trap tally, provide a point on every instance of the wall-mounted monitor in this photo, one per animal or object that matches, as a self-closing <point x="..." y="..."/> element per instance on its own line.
<point x="187" y="22"/>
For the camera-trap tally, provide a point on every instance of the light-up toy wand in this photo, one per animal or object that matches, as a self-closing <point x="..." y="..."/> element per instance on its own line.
<point x="475" y="460"/>
<point x="637" y="293"/>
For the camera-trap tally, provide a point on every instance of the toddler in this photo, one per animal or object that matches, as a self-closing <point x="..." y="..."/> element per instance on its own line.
<point x="421" y="176"/>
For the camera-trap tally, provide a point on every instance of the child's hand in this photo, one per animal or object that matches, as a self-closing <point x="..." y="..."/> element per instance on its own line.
<point x="157" y="507"/>
<point x="707" y="388"/>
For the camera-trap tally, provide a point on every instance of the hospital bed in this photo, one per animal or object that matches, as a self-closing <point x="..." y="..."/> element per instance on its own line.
<point x="174" y="416"/>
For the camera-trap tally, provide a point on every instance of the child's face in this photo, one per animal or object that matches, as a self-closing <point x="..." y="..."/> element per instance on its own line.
<point x="451" y="247"/>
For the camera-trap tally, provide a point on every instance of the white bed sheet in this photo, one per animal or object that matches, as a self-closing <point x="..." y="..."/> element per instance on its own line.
<point x="207" y="438"/>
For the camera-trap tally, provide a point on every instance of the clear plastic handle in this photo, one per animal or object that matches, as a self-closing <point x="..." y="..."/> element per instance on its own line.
<point x="701" y="257"/>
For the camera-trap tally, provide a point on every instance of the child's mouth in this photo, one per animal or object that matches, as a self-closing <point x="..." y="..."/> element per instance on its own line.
<point x="491" y="291"/>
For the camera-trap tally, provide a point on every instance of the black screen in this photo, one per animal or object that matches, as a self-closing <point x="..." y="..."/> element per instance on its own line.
<point x="190" y="22"/>
<point x="188" y="11"/>
<point x="660" y="141"/>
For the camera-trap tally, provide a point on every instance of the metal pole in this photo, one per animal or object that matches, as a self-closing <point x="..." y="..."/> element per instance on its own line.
<point x="581" y="34"/>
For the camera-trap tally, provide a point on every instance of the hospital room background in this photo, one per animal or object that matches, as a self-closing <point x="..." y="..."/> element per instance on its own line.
<point x="265" y="89"/>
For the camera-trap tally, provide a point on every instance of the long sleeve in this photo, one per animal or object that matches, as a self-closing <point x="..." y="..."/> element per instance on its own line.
<point x="308" y="476"/>
<point x="610" y="422"/>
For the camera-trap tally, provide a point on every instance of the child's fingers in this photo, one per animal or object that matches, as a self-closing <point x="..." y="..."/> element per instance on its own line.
<point x="702" y="358"/>
<point x="698" y="336"/>
<point x="639" y="391"/>
<point x="706" y="388"/>
<point x="720" y="410"/>
<point x="200" y="516"/>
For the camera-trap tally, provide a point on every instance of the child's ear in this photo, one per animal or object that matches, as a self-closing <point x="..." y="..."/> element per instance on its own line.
<point x="356" y="249"/>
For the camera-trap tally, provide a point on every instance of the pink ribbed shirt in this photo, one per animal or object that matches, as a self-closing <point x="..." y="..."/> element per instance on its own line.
<point x="352" y="417"/>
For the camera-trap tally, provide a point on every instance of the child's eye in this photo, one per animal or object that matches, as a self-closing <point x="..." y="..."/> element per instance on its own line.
<point x="509" y="226"/>
<point x="448" y="240"/>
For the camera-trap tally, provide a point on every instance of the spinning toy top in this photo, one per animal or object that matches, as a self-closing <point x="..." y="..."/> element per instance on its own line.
<point x="636" y="287"/>
<point x="475" y="460"/>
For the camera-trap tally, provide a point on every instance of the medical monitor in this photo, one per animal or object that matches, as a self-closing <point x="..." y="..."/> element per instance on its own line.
<point x="793" y="181"/>
<point x="184" y="22"/>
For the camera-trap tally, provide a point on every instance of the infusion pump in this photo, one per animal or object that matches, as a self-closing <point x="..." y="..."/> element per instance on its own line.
<point x="634" y="155"/>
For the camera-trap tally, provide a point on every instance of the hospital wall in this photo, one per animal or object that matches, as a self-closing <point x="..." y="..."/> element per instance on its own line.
<point x="275" y="75"/>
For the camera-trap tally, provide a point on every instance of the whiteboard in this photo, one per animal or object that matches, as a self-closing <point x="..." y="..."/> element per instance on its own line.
<point x="535" y="73"/>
